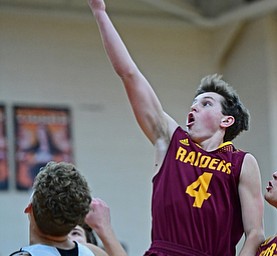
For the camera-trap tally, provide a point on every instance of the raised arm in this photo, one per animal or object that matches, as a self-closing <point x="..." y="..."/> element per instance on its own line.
<point x="99" y="220"/>
<point x="252" y="205"/>
<point x="146" y="106"/>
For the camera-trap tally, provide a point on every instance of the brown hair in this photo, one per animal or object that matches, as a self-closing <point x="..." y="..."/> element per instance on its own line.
<point x="230" y="106"/>
<point x="61" y="198"/>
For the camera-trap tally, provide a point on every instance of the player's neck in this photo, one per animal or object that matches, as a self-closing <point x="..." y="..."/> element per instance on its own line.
<point x="210" y="144"/>
<point x="37" y="237"/>
<point x="57" y="241"/>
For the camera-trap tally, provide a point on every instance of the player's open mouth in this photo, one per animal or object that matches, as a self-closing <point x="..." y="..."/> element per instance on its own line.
<point x="190" y="119"/>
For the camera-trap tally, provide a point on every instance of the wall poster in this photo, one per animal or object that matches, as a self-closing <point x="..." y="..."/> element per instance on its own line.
<point x="4" y="172"/>
<point x="42" y="134"/>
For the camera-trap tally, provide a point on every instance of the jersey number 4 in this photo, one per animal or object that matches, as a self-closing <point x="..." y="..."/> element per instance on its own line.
<point x="198" y="189"/>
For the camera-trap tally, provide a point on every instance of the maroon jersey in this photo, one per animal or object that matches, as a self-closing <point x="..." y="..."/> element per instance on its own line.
<point x="195" y="203"/>
<point x="268" y="247"/>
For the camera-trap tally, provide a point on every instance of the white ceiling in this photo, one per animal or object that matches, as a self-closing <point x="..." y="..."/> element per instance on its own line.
<point x="205" y="13"/>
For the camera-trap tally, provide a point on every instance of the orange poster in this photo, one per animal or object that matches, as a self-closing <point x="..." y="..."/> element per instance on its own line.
<point x="42" y="134"/>
<point x="4" y="172"/>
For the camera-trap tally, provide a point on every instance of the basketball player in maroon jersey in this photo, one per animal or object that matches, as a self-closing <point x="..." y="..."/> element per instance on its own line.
<point x="206" y="193"/>
<point x="269" y="246"/>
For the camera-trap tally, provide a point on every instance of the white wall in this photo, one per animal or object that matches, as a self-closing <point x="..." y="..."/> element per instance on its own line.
<point x="61" y="61"/>
<point x="271" y="39"/>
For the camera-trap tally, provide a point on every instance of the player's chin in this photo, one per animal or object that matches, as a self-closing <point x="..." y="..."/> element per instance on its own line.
<point x="271" y="198"/>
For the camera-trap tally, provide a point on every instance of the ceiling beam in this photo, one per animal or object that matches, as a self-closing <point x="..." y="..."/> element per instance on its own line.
<point x="243" y="12"/>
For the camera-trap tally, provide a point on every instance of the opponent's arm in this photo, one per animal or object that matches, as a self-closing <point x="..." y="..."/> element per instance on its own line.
<point x="145" y="104"/>
<point x="99" y="220"/>
<point x="252" y="205"/>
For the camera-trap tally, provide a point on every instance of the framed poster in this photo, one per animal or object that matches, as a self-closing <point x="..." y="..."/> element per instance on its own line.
<point x="4" y="172"/>
<point x="42" y="134"/>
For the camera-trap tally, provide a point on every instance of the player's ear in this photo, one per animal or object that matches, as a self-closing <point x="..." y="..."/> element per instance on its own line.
<point x="227" y="121"/>
<point x="28" y="209"/>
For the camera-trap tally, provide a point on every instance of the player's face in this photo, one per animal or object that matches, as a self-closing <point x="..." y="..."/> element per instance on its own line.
<point x="271" y="191"/>
<point x="78" y="234"/>
<point x="205" y="117"/>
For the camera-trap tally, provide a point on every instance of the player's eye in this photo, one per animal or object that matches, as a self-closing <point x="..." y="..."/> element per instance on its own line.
<point x="207" y="103"/>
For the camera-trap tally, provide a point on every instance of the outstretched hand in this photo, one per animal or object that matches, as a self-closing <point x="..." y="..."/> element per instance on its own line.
<point x="97" y="5"/>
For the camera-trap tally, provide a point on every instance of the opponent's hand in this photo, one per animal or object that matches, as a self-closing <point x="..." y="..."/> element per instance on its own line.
<point x="98" y="218"/>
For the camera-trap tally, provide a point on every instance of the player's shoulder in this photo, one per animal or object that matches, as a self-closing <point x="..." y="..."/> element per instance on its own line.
<point x="250" y="172"/>
<point x="250" y="160"/>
